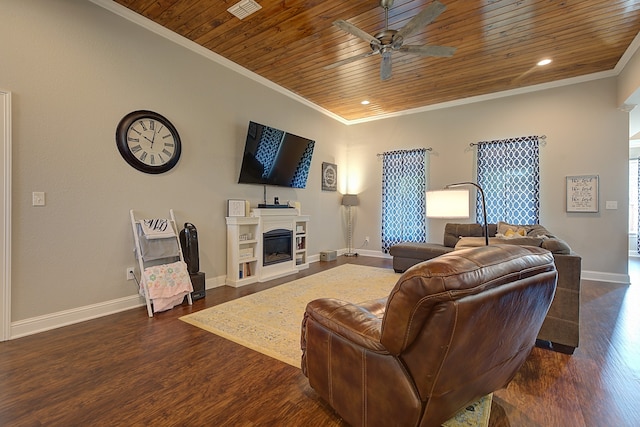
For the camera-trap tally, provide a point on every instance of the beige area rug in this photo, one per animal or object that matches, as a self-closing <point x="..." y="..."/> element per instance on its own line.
<point x="269" y="321"/>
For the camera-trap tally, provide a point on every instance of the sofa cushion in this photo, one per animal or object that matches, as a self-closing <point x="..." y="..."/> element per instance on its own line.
<point x="416" y="250"/>
<point x="549" y="242"/>
<point x="556" y="246"/>
<point x="472" y="242"/>
<point x="453" y="232"/>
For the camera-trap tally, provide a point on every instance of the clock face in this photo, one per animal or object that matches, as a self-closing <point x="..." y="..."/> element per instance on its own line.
<point x="148" y="142"/>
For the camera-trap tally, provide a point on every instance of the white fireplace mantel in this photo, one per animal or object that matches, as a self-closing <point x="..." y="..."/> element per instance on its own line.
<point x="245" y="250"/>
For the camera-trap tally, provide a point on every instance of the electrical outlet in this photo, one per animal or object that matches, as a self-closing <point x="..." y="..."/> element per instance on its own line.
<point x="366" y="240"/>
<point x="130" y="275"/>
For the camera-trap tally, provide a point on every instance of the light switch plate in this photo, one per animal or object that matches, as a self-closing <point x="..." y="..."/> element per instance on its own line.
<point x="611" y="204"/>
<point x="38" y="198"/>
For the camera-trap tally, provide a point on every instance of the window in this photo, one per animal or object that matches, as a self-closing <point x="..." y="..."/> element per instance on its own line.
<point x="404" y="183"/>
<point x="509" y="174"/>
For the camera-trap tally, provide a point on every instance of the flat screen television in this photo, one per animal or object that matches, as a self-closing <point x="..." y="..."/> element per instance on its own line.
<point x="275" y="157"/>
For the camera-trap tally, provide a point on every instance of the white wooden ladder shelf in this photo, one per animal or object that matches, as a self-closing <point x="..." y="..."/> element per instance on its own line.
<point x="164" y="278"/>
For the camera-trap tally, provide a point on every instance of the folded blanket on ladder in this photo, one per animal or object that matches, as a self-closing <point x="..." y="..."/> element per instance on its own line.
<point x="158" y="228"/>
<point x="168" y="284"/>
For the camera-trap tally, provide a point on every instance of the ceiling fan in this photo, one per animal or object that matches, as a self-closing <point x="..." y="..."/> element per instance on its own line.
<point x="387" y="41"/>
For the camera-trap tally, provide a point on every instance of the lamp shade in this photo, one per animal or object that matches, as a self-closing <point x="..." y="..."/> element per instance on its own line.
<point x="448" y="204"/>
<point x="350" y="200"/>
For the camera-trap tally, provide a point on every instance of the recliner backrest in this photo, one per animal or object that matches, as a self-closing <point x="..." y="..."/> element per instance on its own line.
<point x="444" y="316"/>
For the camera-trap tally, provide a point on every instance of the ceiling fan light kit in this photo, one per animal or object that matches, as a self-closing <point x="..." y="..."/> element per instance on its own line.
<point x="387" y="41"/>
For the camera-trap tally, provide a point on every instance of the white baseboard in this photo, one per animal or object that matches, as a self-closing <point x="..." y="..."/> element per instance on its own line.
<point x="34" y="325"/>
<point x="599" y="276"/>
<point x="366" y="252"/>
<point x="215" y="282"/>
<point x="50" y="321"/>
<point x="59" y="319"/>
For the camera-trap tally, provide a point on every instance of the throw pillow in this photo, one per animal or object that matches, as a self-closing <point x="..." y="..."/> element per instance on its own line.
<point x="520" y="232"/>
<point x="504" y="227"/>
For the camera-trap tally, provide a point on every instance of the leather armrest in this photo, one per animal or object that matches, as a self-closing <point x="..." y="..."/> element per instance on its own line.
<point x="359" y="324"/>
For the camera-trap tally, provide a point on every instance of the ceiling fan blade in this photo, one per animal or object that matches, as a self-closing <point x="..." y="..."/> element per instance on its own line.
<point x="352" y="29"/>
<point x="349" y="60"/>
<point x="443" y="51"/>
<point x="385" y="66"/>
<point x="421" y="20"/>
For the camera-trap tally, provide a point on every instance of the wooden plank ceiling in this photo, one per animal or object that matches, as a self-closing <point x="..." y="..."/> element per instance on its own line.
<point x="499" y="42"/>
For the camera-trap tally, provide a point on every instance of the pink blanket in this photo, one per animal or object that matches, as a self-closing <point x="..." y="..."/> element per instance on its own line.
<point x="168" y="284"/>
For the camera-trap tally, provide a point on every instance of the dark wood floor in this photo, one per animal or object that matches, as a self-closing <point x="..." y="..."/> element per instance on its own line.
<point x="129" y="370"/>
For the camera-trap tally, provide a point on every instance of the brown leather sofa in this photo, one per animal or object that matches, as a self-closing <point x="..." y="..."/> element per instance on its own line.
<point x="452" y="330"/>
<point x="561" y="329"/>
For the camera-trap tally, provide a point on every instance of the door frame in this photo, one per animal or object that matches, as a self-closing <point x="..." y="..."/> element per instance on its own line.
<point x="5" y="239"/>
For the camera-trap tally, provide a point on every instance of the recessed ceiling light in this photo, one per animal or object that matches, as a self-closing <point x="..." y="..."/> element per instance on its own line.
<point x="544" y="62"/>
<point x="365" y="102"/>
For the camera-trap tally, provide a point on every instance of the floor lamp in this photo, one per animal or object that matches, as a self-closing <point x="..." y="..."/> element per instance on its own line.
<point x="349" y="200"/>
<point x="449" y="203"/>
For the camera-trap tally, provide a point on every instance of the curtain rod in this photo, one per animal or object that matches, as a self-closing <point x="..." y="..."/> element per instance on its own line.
<point x="471" y="144"/>
<point x="427" y="149"/>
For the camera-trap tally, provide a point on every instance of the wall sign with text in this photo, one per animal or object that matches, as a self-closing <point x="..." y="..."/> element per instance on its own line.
<point x="329" y="176"/>
<point x="582" y="193"/>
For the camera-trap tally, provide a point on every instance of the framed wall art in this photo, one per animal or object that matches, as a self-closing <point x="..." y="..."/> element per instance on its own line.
<point x="329" y="177"/>
<point x="582" y="193"/>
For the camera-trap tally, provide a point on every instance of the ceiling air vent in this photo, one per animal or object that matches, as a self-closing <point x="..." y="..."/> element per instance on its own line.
<point x="244" y="8"/>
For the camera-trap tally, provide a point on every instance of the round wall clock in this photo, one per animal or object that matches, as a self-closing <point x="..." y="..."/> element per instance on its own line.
<point x="148" y="141"/>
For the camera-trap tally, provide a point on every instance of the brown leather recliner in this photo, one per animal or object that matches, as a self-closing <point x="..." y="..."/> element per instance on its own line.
<point x="453" y="329"/>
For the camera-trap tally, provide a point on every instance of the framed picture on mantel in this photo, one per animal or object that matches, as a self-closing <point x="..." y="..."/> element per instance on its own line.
<point x="582" y="193"/>
<point x="236" y="208"/>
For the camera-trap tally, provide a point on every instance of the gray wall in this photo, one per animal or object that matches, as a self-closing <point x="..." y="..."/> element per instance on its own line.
<point x="586" y="134"/>
<point x="75" y="69"/>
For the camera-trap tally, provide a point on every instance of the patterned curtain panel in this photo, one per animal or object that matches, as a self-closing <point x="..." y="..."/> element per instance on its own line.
<point x="509" y="174"/>
<point x="404" y="183"/>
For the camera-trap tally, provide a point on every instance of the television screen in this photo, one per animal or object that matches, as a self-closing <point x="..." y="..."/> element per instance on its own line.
<point x="274" y="157"/>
